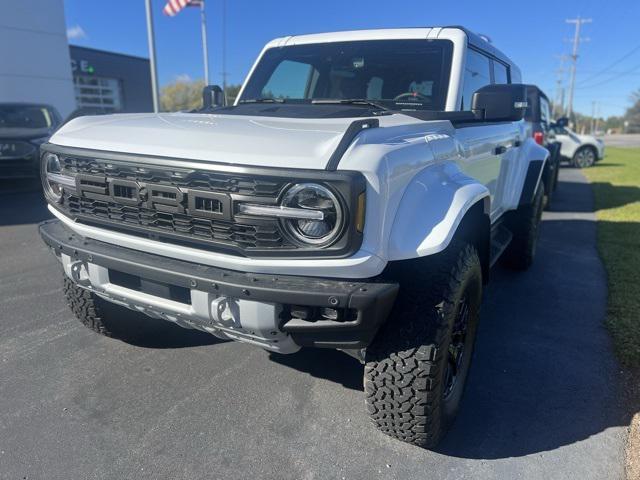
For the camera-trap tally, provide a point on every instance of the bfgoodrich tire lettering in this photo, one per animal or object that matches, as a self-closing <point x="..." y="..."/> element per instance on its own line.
<point x="407" y="374"/>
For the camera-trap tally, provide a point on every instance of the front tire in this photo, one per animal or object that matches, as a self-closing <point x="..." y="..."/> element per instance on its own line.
<point x="87" y="307"/>
<point x="94" y="312"/>
<point x="585" y="157"/>
<point x="417" y="366"/>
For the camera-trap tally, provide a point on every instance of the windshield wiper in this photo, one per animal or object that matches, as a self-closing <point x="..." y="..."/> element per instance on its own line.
<point x="262" y="100"/>
<point x="349" y="101"/>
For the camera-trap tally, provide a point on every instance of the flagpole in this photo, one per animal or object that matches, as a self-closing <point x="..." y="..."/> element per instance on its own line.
<point x="224" y="46"/>
<point x="152" y="57"/>
<point x="204" y="43"/>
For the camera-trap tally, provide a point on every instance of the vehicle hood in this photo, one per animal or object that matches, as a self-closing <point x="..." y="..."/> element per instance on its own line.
<point x="235" y="139"/>
<point x="588" y="139"/>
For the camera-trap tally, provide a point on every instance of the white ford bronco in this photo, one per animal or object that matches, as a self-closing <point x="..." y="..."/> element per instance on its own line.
<point x="354" y="196"/>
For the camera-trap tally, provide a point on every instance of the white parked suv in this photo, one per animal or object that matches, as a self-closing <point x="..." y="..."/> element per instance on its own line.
<point x="354" y="197"/>
<point x="580" y="150"/>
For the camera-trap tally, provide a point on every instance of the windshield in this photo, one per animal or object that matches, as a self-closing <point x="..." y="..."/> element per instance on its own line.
<point x="396" y="73"/>
<point x="25" y="116"/>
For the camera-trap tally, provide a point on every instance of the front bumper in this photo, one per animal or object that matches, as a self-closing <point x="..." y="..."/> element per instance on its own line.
<point x="264" y="302"/>
<point x="24" y="167"/>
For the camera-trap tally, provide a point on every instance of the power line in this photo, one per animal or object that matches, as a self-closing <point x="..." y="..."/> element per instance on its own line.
<point x="617" y="62"/>
<point x="574" y="57"/>
<point x="611" y="79"/>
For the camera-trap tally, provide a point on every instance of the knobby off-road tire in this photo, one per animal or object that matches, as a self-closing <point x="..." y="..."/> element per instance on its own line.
<point x="408" y="386"/>
<point x="524" y="225"/>
<point x="88" y="308"/>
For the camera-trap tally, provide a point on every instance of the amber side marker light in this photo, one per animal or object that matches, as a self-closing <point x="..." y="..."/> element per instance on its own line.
<point x="360" y="213"/>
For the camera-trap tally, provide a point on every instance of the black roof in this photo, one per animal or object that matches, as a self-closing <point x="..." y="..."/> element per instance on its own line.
<point x="477" y="41"/>
<point x="537" y="89"/>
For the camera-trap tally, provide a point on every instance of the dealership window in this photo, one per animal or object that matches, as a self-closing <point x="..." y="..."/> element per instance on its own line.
<point x="98" y="92"/>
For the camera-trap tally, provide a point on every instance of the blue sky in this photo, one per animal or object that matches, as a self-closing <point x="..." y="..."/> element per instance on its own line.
<point x="531" y="33"/>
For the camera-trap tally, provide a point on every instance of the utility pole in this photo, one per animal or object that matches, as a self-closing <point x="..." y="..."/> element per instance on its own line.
<point x="593" y="116"/>
<point x="574" y="56"/>
<point x="205" y="50"/>
<point x="152" y="57"/>
<point x="558" y="104"/>
<point x="224" y="46"/>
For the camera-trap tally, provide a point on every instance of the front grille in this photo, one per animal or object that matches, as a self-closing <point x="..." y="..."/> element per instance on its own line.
<point x="208" y="230"/>
<point x="175" y="201"/>
<point x="123" y="211"/>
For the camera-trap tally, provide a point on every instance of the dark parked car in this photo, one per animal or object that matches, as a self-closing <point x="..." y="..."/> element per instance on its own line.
<point x="538" y="116"/>
<point x="23" y="128"/>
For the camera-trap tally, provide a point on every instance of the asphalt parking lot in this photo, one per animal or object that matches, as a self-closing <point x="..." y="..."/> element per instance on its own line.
<point x="542" y="399"/>
<point x="627" y="140"/>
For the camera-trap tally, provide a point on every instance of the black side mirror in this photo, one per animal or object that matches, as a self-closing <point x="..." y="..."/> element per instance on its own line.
<point x="562" y="122"/>
<point x="212" y="97"/>
<point x="500" y="103"/>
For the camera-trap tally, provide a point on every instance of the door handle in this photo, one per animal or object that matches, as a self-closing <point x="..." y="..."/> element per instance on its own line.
<point x="499" y="150"/>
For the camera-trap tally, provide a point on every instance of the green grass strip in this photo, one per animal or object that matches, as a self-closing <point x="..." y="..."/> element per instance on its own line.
<point x="616" y="184"/>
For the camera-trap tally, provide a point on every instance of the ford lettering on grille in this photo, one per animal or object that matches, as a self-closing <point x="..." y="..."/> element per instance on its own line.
<point x="161" y="198"/>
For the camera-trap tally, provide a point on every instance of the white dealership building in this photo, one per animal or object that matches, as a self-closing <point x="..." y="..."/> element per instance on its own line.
<point x="34" y="55"/>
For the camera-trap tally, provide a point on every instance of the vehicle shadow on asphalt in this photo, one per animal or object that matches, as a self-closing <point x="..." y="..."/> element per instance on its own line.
<point x="614" y="195"/>
<point x="332" y="365"/>
<point x="141" y="331"/>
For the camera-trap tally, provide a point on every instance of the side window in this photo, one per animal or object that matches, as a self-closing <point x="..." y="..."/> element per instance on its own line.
<point x="545" y="113"/>
<point x="500" y="73"/>
<point x="290" y="79"/>
<point x="477" y="74"/>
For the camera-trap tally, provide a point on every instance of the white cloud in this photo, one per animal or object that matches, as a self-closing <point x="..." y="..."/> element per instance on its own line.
<point x="183" y="78"/>
<point x="75" y="33"/>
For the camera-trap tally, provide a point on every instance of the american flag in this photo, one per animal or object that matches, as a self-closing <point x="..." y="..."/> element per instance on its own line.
<point x="173" y="7"/>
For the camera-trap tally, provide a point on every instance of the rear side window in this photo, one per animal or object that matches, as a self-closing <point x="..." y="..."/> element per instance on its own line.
<point x="545" y="112"/>
<point x="477" y="74"/>
<point x="500" y="73"/>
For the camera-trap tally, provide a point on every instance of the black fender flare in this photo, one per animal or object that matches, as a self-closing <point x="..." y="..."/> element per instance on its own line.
<point x="531" y="181"/>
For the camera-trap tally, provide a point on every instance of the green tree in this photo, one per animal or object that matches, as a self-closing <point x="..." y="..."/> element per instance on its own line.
<point x="232" y="92"/>
<point x="633" y="114"/>
<point x="181" y="95"/>
<point x="613" y="123"/>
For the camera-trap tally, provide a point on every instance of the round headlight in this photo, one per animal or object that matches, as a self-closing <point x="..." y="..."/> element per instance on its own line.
<point x="51" y="165"/>
<point x="327" y="225"/>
